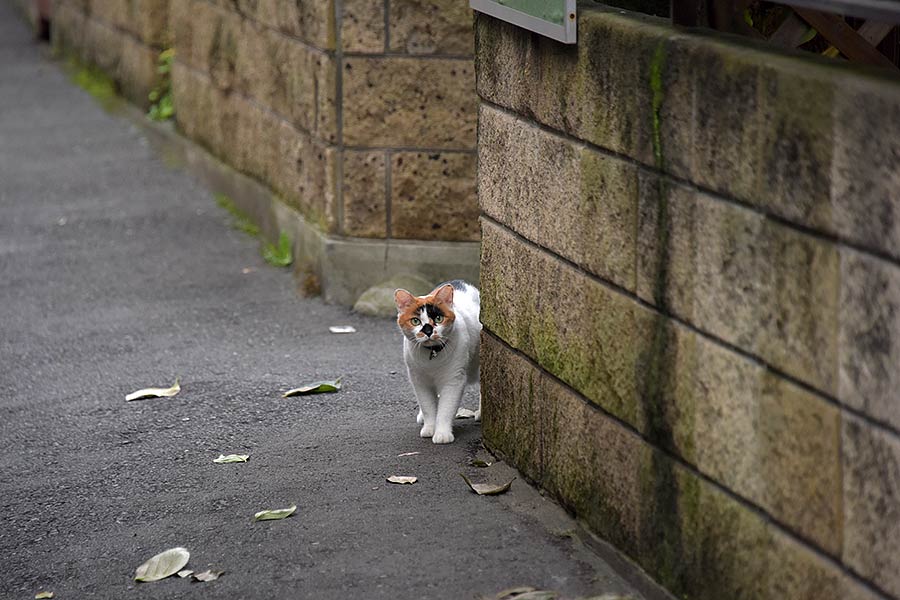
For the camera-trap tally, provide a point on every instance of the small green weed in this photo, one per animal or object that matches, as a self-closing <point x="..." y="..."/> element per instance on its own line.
<point x="163" y="107"/>
<point x="277" y="256"/>
<point x="94" y="81"/>
<point x="241" y="221"/>
<point x="280" y="256"/>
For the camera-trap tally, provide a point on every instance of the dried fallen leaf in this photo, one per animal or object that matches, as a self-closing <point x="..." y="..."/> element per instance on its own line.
<point x="162" y="565"/>
<point x="185" y="573"/>
<point x="209" y="575"/>
<point x="154" y="393"/>
<point x="487" y="489"/>
<point x="41" y="595"/>
<point x="465" y="413"/>
<point x="271" y="515"/>
<point x="231" y="458"/>
<point x="314" y="388"/>
<point x="513" y="592"/>
<point x="536" y="595"/>
<point x="525" y="593"/>
<point x="402" y="479"/>
<point x="342" y="329"/>
<point x="477" y="462"/>
<point x="408" y="454"/>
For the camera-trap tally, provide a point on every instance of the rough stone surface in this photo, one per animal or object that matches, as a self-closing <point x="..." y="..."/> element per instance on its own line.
<point x="365" y="208"/>
<point x="433" y="196"/>
<point x="145" y="19"/>
<point x="869" y="337"/>
<point x="362" y="26"/>
<point x="102" y="46"/>
<point x="409" y="103"/>
<point x="581" y="90"/>
<point x="67" y="34"/>
<point x="252" y="140"/>
<point x="560" y="195"/>
<point x="695" y="539"/>
<point x="714" y="112"/>
<point x="769" y="441"/>
<point x="865" y="193"/>
<point x="311" y="22"/>
<point x="752" y="282"/>
<point x="760" y="436"/>
<point x="279" y="72"/>
<point x="577" y="329"/>
<point x="137" y="74"/>
<point x="872" y="503"/>
<point x="378" y="300"/>
<point x="430" y="27"/>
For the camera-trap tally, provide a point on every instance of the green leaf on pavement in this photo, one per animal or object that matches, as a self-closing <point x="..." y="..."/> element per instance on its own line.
<point x="318" y="387"/>
<point x="402" y="479"/>
<point x="231" y="458"/>
<point x="162" y="565"/>
<point x="488" y="489"/>
<point x="477" y="462"/>
<point x="154" y="392"/>
<point x="41" y="595"/>
<point x="271" y="515"/>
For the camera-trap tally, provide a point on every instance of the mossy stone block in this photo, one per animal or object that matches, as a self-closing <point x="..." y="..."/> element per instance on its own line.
<point x="871" y="463"/>
<point x="580" y="204"/>
<point x="869" y="338"/>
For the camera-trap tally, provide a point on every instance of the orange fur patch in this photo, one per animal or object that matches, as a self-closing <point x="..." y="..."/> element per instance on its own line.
<point x="414" y="310"/>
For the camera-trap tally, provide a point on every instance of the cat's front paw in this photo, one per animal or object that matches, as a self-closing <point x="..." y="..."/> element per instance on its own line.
<point x="442" y="437"/>
<point x="427" y="431"/>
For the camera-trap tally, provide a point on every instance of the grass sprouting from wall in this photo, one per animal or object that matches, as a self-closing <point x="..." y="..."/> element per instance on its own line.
<point x="280" y="255"/>
<point x="240" y="221"/>
<point x="277" y="255"/>
<point x="95" y="82"/>
<point x="163" y="107"/>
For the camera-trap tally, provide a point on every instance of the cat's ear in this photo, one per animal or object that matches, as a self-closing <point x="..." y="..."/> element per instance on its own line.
<point x="402" y="299"/>
<point x="444" y="295"/>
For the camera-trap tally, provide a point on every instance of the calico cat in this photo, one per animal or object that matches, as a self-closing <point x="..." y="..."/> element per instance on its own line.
<point x="440" y="346"/>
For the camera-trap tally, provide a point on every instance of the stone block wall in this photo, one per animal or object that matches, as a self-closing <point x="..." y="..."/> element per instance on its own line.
<point x="359" y="114"/>
<point x="121" y="37"/>
<point x="691" y="300"/>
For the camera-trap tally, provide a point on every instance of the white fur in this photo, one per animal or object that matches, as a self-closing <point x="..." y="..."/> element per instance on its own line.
<point x="439" y="382"/>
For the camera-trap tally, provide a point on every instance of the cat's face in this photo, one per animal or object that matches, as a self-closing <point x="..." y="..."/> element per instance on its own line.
<point x="427" y="319"/>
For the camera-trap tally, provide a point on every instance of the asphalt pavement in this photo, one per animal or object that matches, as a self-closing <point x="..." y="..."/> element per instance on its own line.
<point x="118" y="272"/>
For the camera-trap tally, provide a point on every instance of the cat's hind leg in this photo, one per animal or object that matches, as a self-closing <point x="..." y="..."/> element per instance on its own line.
<point x="419" y="418"/>
<point x="478" y="412"/>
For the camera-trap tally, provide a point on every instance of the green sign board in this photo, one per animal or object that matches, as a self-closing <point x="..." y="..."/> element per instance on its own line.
<point x="552" y="18"/>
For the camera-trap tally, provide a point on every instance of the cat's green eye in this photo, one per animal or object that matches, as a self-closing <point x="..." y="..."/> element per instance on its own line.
<point x="416" y="321"/>
<point x="438" y="319"/>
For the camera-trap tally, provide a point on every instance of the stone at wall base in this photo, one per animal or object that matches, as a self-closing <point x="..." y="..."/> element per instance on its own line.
<point x="378" y="300"/>
<point x="344" y="267"/>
